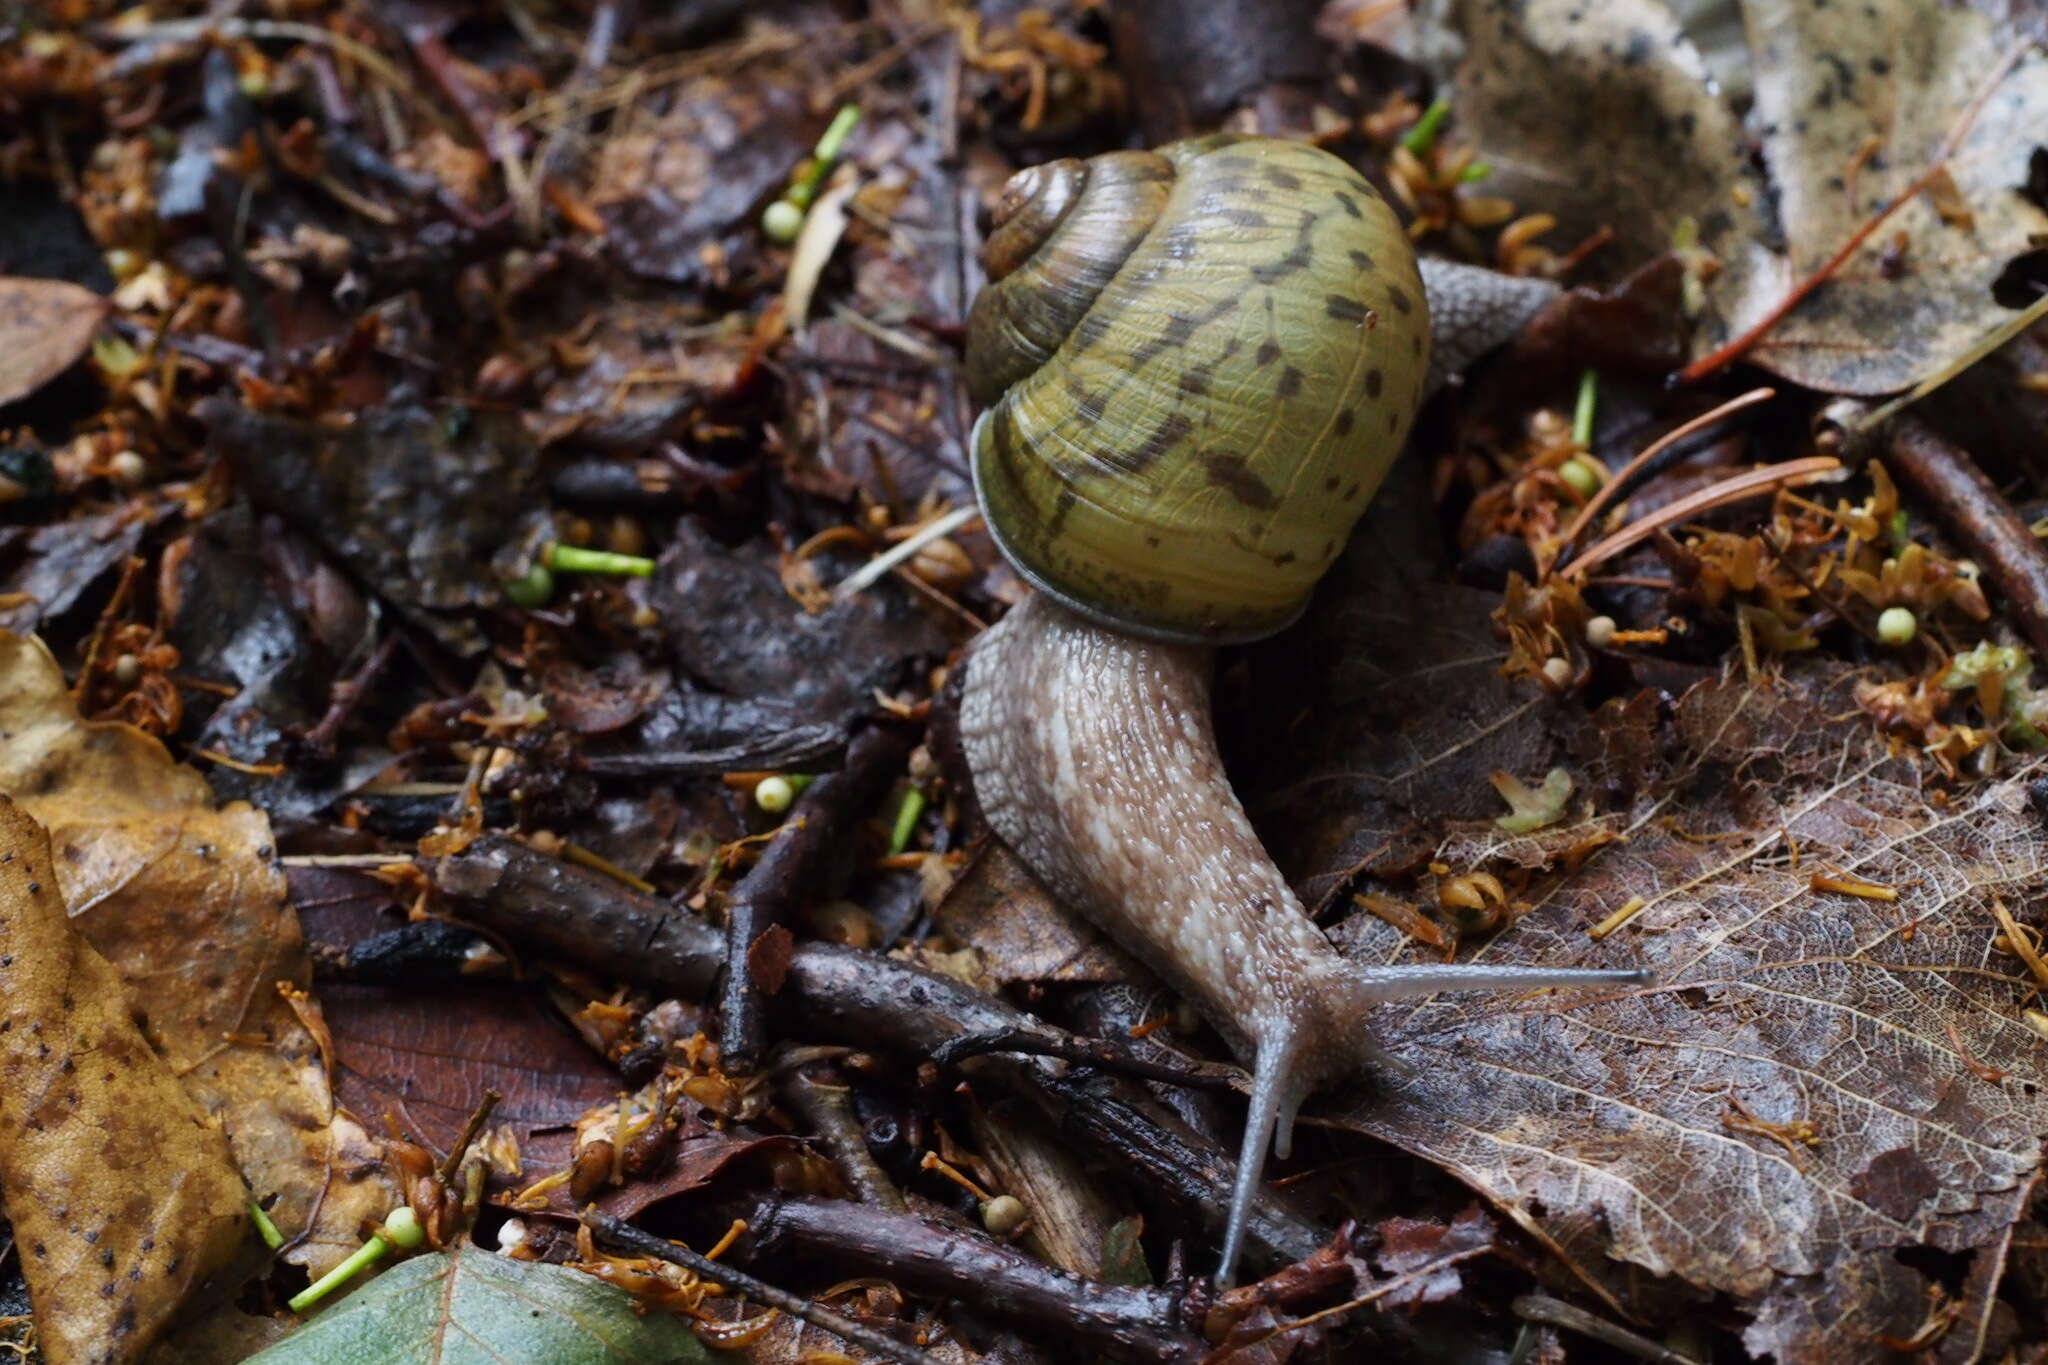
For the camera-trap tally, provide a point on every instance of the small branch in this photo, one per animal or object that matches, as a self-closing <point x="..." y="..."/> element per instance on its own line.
<point x="926" y="1256"/>
<point x="787" y="871"/>
<point x="552" y="908"/>
<point x="1971" y="509"/>
<point x="1099" y="1053"/>
<point x="347" y="694"/>
<point x="1557" y="1313"/>
<point x="1737" y="488"/>
<point x="818" y="1093"/>
<point x="478" y="1117"/>
<point x="622" y="1235"/>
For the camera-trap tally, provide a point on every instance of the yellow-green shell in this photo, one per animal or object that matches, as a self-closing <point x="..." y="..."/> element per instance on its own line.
<point x="1199" y="362"/>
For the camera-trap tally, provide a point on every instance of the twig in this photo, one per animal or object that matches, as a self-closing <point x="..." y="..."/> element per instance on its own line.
<point x="621" y="1234"/>
<point x="926" y="1256"/>
<point x="817" y="1092"/>
<point x="478" y="1117"/>
<point x="785" y="873"/>
<point x="1971" y="509"/>
<point x="1733" y="350"/>
<point x="347" y="694"/>
<point x="1557" y="1313"/>
<point x="550" y="907"/>
<point x="1401" y="1281"/>
<point x="1096" y="1052"/>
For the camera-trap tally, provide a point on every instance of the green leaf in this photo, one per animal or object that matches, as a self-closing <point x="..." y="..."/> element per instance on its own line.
<point x="470" y="1307"/>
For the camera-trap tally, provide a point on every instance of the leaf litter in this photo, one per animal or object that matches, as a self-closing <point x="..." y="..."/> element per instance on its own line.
<point x="408" y="311"/>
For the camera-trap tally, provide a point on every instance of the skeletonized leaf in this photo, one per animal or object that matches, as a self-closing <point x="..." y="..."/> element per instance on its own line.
<point x="1815" y="1081"/>
<point x="45" y="326"/>
<point x="470" y="1307"/>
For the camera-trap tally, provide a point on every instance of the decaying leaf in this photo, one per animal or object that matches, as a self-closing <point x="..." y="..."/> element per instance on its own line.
<point x="45" y="326"/>
<point x="187" y="903"/>
<point x="470" y="1307"/>
<point x="999" y="908"/>
<point x="121" y="1192"/>
<point x="1605" y="115"/>
<point x="433" y="507"/>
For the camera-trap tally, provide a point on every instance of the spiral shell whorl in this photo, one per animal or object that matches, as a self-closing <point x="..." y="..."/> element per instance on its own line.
<point x="1196" y="379"/>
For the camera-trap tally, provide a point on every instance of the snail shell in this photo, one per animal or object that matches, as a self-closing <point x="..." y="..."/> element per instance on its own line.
<point x="1246" y="314"/>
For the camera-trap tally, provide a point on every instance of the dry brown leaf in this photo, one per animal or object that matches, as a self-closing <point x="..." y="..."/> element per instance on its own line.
<point x="1815" y="1082"/>
<point x="1604" y="115"/>
<point x="188" y="904"/>
<point x="45" y="326"/>
<point x="998" y="907"/>
<point x="121" y="1192"/>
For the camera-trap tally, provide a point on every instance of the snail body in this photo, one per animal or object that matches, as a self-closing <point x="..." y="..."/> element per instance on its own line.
<point x="1117" y="473"/>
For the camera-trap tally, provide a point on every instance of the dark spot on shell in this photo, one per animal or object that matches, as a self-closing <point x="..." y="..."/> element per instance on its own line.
<point x="1353" y="491"/>
<point x="1345" y="310"/>
<point x="1244" y="218"/>
<point x="1330" y="484"/>
<point x="1402" y="303"/>
<point x="1172" y="429"/>
<point x="1361" y="259"/>
<point x="1236" y="161"/>
<point x="1233" y="474"/>
<point x="1349" y="204"/>
<point x="1282" y="560"/>
<point x="1195" y="382"/>
<point x="1393" y="421"/>
<point x="1269" y="351"/>
<point x="1282" y="180"/>
<point x="1374" y="382"/>
<point x="1345" y="419"/>
<point x="1415" y="343"/>
<point x="1290" y="382"/>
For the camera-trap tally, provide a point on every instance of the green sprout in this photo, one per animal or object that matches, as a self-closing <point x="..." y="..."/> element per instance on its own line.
<point x="1422" y="137"/>
<point x="784" y="218"/>
<point x="265" y="1229"/>
<point x="907" y="816"/>
<point x="401" y="1228"/>
<point x="576" y="559"/>
<point x="1582" y="416"/>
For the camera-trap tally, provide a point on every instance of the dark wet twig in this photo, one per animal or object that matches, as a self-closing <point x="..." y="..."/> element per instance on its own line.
<point x="623" y="1236"/>
<point x="546" y="906"/>
<point x="1557" y="1313"/>
<point x="757" y="939"/>
<point x="926" y="1256"/>
<point x="1970" y="508"/>
<point x="348" y="694"/>
<point x="478" y="1117"/>
<point x="818" y="1093"/>
<point x="1095" y="1052"/>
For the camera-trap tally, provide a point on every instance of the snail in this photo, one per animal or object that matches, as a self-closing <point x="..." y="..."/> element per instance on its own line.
<point x="1196" y="364"/>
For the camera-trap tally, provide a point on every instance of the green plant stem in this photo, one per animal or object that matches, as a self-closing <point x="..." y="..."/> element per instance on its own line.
<point x="576" y="559"/>
<point x="364" y="1256"/>
<point x="907" y="816"/>
<point x="1422" y="136"/>
<point x="1582" y="416"/>
<point x="265" y="1229"/>
<point x="805" y="187"/>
